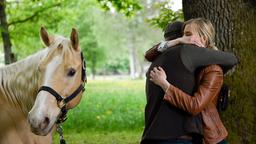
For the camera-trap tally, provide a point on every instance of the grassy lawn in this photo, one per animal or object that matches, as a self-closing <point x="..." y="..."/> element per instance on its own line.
<point x="101" y="137"/>
<point x="111" y="112"/>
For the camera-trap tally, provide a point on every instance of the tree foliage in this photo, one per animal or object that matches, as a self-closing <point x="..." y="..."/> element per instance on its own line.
<point x="104" y="27"/>
<point x="127" y="7"/>
<point x="164" y="14"/>
<point x="26" y="17"/>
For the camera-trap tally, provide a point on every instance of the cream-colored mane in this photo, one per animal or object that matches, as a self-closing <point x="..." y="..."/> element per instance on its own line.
<point x="19" y="82"/>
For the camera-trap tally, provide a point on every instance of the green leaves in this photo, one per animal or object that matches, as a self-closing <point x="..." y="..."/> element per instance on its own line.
<point x="106" y="37"/>
<point x="127" y="7"/>
<point x="32" y="11"/>
<point x="166" y="16"/>
<point x="25" y="19"/>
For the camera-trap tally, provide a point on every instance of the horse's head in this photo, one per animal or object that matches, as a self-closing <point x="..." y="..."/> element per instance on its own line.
<point x="60" y="75"/>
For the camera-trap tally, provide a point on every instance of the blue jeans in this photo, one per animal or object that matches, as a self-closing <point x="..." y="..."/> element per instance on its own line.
<point x="176" y="141"/>
<point x="223" y="142"/>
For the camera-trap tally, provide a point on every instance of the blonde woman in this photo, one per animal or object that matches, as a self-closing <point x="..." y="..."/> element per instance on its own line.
<point x="210" y="79"/>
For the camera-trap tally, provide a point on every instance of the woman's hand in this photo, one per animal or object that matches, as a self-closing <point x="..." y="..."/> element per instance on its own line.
<point x="158" y="76"/>
<point x="191" y="40"/>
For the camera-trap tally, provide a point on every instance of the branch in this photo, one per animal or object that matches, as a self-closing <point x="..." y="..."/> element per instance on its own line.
<point x="33" y="15"/>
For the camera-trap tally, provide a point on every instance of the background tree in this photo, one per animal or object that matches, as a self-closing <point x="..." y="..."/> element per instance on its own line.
<point x="129" y="35"/>
<point x="235" y="24"/>
<point x="114" y="41"/>
<point x="8" y="55"/>
<point x="16" y="13"/>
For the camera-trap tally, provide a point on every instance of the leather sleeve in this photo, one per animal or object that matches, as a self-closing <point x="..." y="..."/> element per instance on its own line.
<point x="209" y="87"/>
<point x="152" y="53"/>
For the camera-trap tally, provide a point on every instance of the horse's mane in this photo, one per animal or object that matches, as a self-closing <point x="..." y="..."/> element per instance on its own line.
<point x="19" y="81"/>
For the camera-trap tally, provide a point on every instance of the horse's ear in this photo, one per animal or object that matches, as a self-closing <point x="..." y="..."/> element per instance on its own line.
<point x="74" y="39"/>
<point x="44" y="36"/>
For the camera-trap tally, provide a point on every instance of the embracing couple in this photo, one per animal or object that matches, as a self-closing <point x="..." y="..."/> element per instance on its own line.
<point x="183" y="85"/>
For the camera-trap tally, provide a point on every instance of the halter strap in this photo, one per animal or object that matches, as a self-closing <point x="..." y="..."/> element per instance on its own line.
<point x="58" y="97"/>
<point x="51" y="91"/>
<point x="75" y="93"/>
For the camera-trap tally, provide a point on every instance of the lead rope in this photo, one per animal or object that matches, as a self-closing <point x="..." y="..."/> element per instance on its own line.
<point x="62" y="118"/>
<point x="60" y="131"/>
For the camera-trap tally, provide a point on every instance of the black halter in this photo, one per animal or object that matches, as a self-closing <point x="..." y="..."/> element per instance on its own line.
<point x="63" y="101"/>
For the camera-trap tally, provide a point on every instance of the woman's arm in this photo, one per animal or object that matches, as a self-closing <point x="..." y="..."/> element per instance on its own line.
<point x="157" y="49"/>
<point x="185" y="40"/>
<point x="209" y="88"/>
<point x="152" y="53"/>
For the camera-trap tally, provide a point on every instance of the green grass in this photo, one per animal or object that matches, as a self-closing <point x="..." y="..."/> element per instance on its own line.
<point x="101" y="137"/>
<point x="111" y="112"/>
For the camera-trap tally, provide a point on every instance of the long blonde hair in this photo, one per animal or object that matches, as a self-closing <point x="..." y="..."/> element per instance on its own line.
<point x="205" y="30"/>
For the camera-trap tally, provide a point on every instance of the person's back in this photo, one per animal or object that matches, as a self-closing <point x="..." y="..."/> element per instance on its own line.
<point x="163" y="121"/>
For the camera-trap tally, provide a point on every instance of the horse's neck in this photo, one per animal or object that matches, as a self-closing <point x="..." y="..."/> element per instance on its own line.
<point x="19" y="82"/>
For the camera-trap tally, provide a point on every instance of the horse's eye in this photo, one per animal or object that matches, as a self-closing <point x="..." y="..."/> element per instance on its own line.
<point x="71" y="72"/>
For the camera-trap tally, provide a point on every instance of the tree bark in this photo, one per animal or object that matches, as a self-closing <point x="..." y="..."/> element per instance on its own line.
<point x="8" y="55"/>
<point x="235" y="26"/>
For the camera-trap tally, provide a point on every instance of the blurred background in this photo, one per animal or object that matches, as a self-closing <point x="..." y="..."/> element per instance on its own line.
<point x="114" y="35"/>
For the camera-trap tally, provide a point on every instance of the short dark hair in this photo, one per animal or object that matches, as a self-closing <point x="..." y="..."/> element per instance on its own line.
<point x="173" y="30"/>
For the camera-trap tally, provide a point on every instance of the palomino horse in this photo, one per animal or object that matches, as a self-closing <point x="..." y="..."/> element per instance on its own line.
<point x="47" y="82"/>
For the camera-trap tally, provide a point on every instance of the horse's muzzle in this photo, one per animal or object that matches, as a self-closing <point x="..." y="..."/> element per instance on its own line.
<point x="39" y="127"/>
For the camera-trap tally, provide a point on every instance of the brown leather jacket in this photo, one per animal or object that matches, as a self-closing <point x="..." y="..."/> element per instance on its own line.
<point x="204" y="100"/>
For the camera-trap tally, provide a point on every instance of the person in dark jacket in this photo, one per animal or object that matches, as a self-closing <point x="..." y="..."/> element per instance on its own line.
<point x="165" y="123"/>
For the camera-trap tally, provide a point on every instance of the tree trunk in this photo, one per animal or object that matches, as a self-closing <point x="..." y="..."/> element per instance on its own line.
<point x="94" y="65"/>
<point x="235" y="25"/>
<point x="8" y="55"/>
<point x="132" y="51"/>
<point x="132" y="60"/>
<point x="142" y="71"/>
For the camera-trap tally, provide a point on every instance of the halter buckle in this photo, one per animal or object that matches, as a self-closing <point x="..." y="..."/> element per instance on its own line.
<point x="61" y="104"/>
<point x="83" y="66"/>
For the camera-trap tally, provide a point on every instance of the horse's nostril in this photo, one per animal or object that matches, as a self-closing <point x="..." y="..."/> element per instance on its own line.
<point x="46" y="120"/>
<point x="45" y="123"/>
